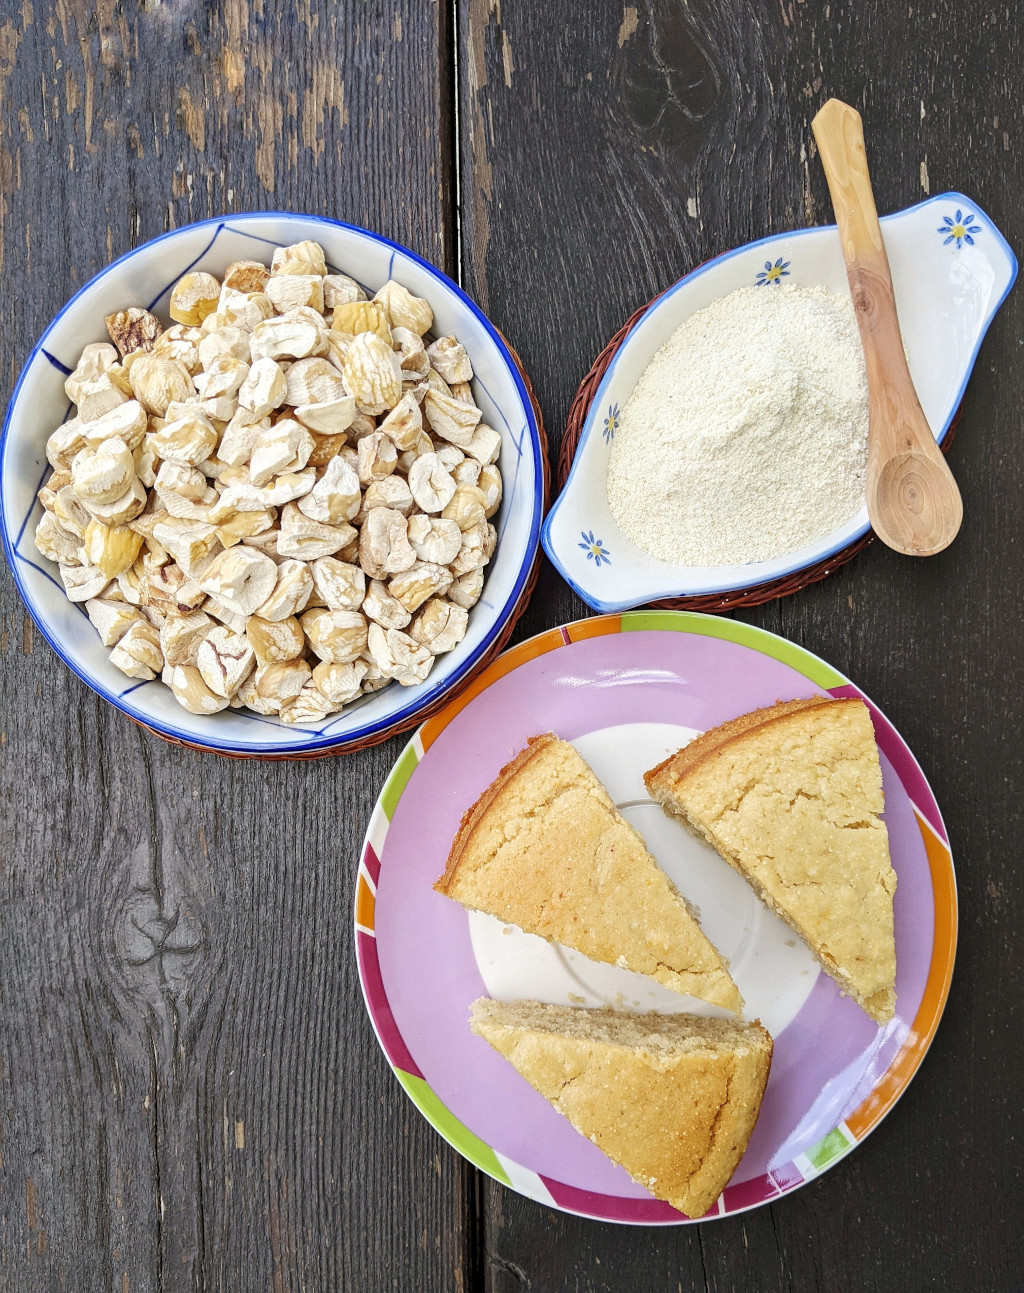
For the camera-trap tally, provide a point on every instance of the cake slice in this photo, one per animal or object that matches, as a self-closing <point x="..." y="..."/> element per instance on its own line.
<point x="791" y="797"/>
<point x="545" y="848"/>
<point x="671" y="1098"/>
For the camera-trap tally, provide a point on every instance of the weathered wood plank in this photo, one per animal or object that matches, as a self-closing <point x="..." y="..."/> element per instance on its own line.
<point x="190" y="1092"/>
<point x="605" y="153"/>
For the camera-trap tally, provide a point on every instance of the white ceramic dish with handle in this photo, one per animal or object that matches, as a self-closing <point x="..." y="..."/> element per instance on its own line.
<point x="145" y="277"/>
<point x="951" y="269"/>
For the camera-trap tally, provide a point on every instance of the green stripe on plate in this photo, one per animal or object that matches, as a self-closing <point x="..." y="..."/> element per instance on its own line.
<point x="733" y="631"/>
<point x="836" y="1143"/>
<point x="454" y="1132"/>
<point x="398" y="780"/>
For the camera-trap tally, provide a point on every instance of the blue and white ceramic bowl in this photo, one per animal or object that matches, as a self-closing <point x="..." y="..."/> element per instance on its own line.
<point x="145" y="277"/>
<point x="951" y="269"/>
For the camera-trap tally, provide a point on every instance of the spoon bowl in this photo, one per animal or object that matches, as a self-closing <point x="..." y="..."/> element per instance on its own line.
<point x="910" y="503"/>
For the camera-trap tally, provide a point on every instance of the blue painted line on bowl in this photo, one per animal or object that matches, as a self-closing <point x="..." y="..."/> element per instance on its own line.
<point x="600" y="398"/>
<point x="252" y="717"/>
<point x="57" y="363"/>
<point x="338" y="718"/>
<point x="515" y="483"/>
<point x="135" y="687"/>
<point x="253" y="237"/>
<point x="45" y="573"/>
<point x="375" y="726"/>
<point x="491" y="398"/>
<point x="160" y="295"/>
<point x="272" y="242"/>
<point x="31" y="510"/>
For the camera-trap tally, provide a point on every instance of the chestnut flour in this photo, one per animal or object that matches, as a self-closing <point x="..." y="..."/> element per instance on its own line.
<point x="746" y="435"/>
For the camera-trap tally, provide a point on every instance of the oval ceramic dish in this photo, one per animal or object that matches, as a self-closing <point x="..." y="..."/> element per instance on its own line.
<point x="145" y="276"/>
<point x="951" y="269"/>
<point x="626" y="691"/>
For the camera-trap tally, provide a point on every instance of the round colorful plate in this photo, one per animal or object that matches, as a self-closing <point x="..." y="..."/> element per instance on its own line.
<point x="627" y="690"/>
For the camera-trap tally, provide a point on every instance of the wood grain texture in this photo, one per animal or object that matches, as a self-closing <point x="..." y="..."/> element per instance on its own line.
<point x="191" y="1096"/>
<point x="190" y="1093"/>
<point x="604" y="153"/>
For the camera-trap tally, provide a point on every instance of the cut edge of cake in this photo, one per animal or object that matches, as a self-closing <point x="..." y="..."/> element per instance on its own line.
<point x="663" y="780"/>
<point x="727" y="995"/>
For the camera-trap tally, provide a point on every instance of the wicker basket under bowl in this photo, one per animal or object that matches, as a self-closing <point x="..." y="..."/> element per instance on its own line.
<point x="947" y="295"/>
<point x="145" y="276"/>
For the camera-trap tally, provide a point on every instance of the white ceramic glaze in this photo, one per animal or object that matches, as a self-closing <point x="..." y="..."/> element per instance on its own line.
<point x="951" y="269"/>
<point x="145" y="277"/>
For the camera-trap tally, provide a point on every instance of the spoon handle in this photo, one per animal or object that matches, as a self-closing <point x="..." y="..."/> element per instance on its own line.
<point x="840" y="138"/>
<point x="912" y="498"/>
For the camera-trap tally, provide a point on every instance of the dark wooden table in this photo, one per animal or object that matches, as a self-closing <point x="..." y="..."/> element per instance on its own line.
<point x="191" y="1096"/>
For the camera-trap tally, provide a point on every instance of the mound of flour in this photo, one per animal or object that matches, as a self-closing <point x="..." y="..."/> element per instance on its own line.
<point x="746" y="435"/>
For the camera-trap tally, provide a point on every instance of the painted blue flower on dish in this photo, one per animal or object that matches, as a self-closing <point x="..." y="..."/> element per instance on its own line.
<point x="594" y="548"/>
<point x="773" y="273"/>
<point x="611" y="423"/>
<point x="958" y="228"/>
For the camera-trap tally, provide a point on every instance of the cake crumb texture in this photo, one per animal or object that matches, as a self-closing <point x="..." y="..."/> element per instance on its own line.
<point x="545" y="848"/>
<point x="671" y="1098"/>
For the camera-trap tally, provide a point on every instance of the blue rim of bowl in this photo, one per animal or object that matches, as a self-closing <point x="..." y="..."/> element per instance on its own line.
<point x="599" y="396"/>
<point x="425" y="698"/>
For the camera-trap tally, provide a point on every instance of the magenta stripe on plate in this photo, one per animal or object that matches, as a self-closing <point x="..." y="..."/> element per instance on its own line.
<point x="380" y="1011"/>
<point x="748" y="1194"/>
<point x="895" y="750"/>
<point x="610" y="1205"/>
<point x="372" y="863"/>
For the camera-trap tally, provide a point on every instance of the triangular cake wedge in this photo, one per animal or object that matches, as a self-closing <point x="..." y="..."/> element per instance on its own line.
<point x="790" y="796"/>
<point x="545" y="848"/>
<point x="671" y="1098"/>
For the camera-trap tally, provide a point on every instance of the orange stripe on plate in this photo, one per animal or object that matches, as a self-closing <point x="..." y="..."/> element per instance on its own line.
<point x="504" y="664"/>
<point x="597" y="627"/>
<point x="365" y="903"/>
<point x="936" y="990"/>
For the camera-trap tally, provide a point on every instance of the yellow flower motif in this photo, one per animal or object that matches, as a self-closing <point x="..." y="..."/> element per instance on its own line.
<point x="594" y="548"/>
<point x="958" y="229"/>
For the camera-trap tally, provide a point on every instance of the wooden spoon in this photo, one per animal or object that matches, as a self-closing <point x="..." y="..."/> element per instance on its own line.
<point x="912" y="498"/>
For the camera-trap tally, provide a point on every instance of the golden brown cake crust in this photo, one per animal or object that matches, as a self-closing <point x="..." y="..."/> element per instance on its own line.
<point x="545" y="848"/>
<point x="676" y="765"/>
<point x="671" y="1098"/>
<point x="535" y="745"/>
<point x="791" y="797"/>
